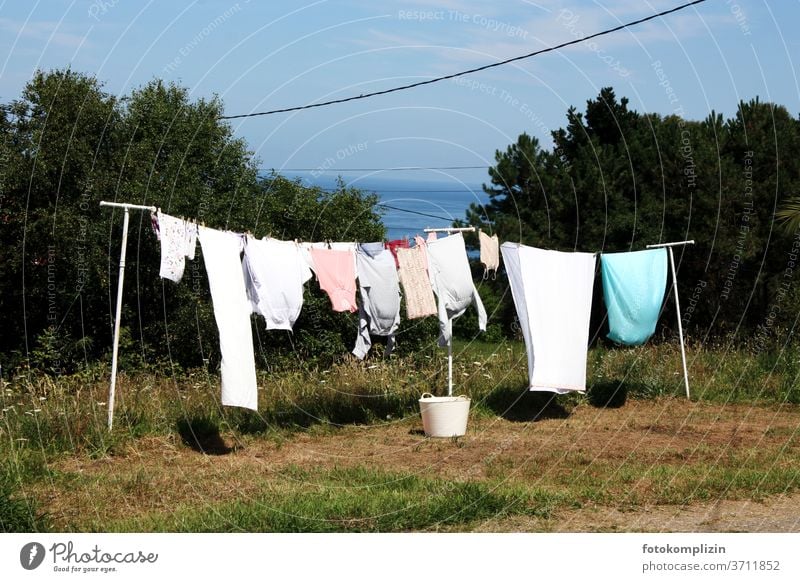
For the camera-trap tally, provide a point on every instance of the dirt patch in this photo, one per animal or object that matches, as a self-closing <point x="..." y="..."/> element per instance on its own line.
<point x="780" y="514"/>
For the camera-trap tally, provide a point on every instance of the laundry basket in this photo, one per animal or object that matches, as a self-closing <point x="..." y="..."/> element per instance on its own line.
<point x="444" y="416"/>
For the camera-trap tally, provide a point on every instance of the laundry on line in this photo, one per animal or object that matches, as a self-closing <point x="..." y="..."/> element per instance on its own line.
<point x="551" y="290"/>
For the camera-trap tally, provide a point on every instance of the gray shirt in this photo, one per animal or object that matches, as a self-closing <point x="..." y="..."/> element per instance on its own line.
<point x="379" y="311"/>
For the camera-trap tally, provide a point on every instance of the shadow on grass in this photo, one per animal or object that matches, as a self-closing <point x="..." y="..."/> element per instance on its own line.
<point x="615" y="393"/>
<point x="610" y="394"/>
<point x="201" y="433"/>
<point x="522" y="405"/>
<point x="334" y="412"/>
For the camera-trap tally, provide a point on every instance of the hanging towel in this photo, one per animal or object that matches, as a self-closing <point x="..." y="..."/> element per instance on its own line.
<point x="490" y="252"/>
<point x="336" y="273"/>
<point x="178" y="240"/>
<point x="275" y="272"/>
<point x="633" y="286"/>
<point x="393" y="245"/>
<point x="553" y="296"/>
<point x="432" y="236"/>
<point x="232" y="313"/>
<point x="413" y="274"/>
<point x="451" y="280"/>
<point x="379" y="312"/>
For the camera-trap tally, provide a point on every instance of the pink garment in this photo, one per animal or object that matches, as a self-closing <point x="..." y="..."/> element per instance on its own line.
<point x="337" y="277"/>
<point x="393" y="245"/>
<point x="431" y="236"/>
<point x="422" y="245"/>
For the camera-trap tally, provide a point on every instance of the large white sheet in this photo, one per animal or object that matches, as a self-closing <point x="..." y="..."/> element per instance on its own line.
<point x="552" y="293"/>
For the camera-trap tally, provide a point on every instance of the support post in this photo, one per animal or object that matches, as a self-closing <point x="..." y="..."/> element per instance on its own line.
<point x="452" y="229"/>
<point x="117" y="317"/>
<point x="450" y="366"/>
<point x="677" y="302"/>
<point x="118" y="314"/>
<point x="680" y="324"/>
<point x="450" y="343"/>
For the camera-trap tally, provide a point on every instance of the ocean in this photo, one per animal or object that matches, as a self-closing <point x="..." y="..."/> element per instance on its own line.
<point x="410" y="206"/>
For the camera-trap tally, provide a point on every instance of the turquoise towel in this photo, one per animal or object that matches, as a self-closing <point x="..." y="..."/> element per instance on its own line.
<point x="633" y="286"/>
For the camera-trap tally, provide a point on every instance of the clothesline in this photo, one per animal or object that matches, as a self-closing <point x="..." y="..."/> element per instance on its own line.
<point x="241" y="271"/>
<point x="439" y="267"/>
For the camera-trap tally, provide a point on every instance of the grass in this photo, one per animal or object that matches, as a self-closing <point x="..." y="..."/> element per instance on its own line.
<point x="18" y="513"/>
<point x="69" y="414"/>
<point x="345" y="500"/>
<point x="48" y="425"/>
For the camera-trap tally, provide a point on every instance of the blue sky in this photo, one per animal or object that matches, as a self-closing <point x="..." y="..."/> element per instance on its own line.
<point x="266" y="55"/>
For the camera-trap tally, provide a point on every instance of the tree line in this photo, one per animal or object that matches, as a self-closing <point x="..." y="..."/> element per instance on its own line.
<point x="617" y="180"/>
<point x="65" y="145"/>
<point x="613" y="180"/>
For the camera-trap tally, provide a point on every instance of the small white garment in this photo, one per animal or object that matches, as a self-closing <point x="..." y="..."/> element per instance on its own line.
<point x="451" y="279"/>
<point x="221" y="251"/>
<point x="552" y="293"/>
<point x="379" y="311"/>
<point x="178" y="240"/>
<point x="275" y="272"/>
<point x="490" y="252"/>
<point x="191" y="239"/>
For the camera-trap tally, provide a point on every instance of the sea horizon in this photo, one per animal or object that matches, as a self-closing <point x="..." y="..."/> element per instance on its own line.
<point x="409" y="205"/>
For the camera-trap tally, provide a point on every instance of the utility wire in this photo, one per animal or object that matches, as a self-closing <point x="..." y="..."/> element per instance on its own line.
<point x="418" y="190"/>
<point x="415" y="212"/>
<point x="469" y="71"/>
<point x="395" y="169"/>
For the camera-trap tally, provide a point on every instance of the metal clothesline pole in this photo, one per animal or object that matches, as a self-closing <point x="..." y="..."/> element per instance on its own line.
<point x="450" y="342"/>
<point x="459" y="229"/>
<point x="450" y="366"/>
<point x="669" y="247"/>
<point x="113" y="384"/>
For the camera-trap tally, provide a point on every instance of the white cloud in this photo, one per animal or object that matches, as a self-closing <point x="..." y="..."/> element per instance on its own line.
<point x="43" y="30"/>
<point x="450" y="45"/>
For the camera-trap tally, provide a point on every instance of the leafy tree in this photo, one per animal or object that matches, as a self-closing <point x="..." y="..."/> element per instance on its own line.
<point x="617" y="180"/>
<point x="56" y="138"/>
<point x="67" y="144"/>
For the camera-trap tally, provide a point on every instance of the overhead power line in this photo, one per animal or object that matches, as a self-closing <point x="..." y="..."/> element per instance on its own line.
<point x="414" y="212"/>
<point x="416" y="191"/>
<point x="469" y="71"/>
<point x="396" y="169"/>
